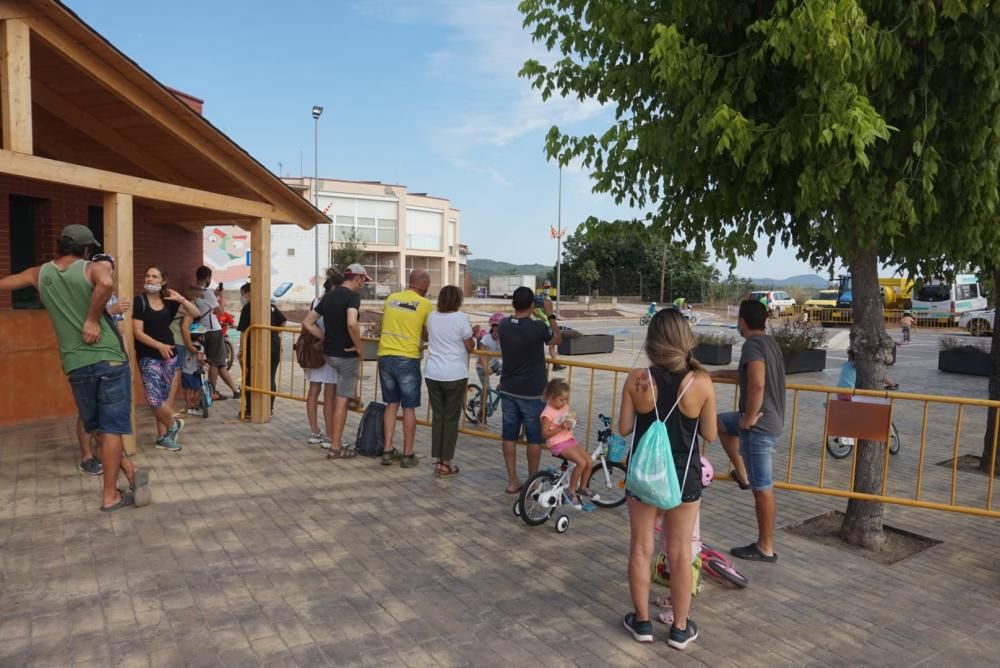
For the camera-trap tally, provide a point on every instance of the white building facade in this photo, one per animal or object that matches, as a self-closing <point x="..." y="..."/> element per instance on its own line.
<point x="401" y="231"/>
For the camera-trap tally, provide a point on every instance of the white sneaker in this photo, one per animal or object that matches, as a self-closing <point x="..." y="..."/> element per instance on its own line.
<point x="316" y="439"/>
<point x="326" y="442"/>
<point x="194" y="411"/>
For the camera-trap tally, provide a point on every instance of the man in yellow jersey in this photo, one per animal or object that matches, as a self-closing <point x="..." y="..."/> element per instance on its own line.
<point x="404" y="329"/>
<point x="75" y="292"/>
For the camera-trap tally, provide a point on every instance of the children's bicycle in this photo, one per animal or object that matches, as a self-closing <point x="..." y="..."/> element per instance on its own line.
<point x="474" y="403"/>
<point x="546" y="491"/>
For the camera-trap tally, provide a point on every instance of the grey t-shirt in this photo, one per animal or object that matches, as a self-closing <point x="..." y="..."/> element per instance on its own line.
<point x="763" y="347"/>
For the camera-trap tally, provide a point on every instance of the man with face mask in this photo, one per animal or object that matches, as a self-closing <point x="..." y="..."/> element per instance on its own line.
<point x="749" y="435"/>
<point x="278" y="319"/>
<point x="215" y="347"/>
<point x="75" y="292"/>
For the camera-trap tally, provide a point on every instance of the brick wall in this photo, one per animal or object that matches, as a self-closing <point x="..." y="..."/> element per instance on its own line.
<point x="29" y="357"/>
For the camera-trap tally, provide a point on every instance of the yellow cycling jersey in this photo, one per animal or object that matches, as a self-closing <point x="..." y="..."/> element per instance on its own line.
<point x="403" y="322"/>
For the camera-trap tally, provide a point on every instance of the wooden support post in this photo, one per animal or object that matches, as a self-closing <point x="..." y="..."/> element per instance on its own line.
<point x="260" y="314"/>
<point x="15" y="85"/>
<point x="118" y="242"/>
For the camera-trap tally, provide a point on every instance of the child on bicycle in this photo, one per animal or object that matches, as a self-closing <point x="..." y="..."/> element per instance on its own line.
<point x="557" y="428"/>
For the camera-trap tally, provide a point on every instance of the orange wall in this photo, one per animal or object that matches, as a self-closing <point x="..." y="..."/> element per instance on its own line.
<point x="33" y="386"/>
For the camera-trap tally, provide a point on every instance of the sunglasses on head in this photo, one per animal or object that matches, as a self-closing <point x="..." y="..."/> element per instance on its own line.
<point x="101" y="257"/>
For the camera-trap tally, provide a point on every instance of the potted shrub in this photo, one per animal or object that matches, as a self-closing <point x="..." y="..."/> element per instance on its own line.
<point x="577" y="343"/>
<point x="963" y="356"/>
<point x="803" y="346"/>
<point x="371" y="330"/>
<point x="714" y="347"/>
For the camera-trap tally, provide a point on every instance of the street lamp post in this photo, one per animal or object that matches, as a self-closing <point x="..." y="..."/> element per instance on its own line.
<point x="559" y="233"/>
<point x="316" y="112"/>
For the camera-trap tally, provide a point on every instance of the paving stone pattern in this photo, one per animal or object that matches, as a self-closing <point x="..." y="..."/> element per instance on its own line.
<point x="258" y="551"/>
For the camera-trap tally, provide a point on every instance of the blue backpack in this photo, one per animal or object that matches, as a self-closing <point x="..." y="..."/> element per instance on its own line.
<point x="652" y="475"/>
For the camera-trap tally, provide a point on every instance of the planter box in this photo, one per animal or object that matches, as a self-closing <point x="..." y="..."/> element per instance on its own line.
<point x="805" y="361"/>
<point x="588" y="344"/>
<point x="967" y="362"/>
<point x="710" y="353"/>
<point x="371" y="350"/>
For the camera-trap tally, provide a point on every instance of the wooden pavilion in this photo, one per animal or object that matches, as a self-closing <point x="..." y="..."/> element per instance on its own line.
<point x="89" y="137"/>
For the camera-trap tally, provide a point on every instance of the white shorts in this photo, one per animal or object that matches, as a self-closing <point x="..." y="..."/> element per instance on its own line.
<point x="324" y="374"/>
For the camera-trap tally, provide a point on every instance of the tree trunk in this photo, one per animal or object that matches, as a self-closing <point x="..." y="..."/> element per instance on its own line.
<point x="872" y="348"/>
<point x="663" y="271"/>
<point x="991" y="415"/>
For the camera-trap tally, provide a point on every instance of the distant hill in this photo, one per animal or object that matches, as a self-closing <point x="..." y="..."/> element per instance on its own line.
<point x="801" y="280"/>
<point x="480" y="269"/>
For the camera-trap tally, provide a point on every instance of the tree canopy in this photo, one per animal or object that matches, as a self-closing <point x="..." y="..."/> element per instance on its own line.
<point x="828" y="125"/>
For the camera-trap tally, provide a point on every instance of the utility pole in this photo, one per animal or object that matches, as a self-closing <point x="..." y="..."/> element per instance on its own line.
<point x="559" y="232"/>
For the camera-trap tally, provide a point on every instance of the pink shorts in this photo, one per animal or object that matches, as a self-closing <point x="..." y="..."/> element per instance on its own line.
<point x="558" y="448"/>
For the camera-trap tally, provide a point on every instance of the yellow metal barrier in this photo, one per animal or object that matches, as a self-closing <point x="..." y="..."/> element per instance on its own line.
<point x="845" y="316"/>
<point x="925" y="473"/>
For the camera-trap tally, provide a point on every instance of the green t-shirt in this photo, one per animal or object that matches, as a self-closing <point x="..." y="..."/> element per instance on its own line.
<point x="66" y="296"/>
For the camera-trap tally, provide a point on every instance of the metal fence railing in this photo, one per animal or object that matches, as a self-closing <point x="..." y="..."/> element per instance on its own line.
<point x="936" y="434"/>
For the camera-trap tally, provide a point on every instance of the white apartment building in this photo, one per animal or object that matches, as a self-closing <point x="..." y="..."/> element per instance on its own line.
<point x="401" y="231"/>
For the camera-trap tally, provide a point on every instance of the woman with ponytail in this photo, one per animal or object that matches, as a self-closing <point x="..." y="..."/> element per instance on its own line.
<point x="677" y="390"/>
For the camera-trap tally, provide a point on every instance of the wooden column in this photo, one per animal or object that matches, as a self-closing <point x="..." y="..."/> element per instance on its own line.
<point x="118" y="242"/>
<point x="15" y="85"/>
<point x="260" y="314"/>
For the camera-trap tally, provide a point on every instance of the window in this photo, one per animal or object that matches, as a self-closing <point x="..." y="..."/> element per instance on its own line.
<point x="95" y="221"/>
<point x="23" y="247"/>
<point x="452" y="236"/>
<point x="375" y="221"/>
<point x="290" y="252"/>
<point x="423" y="229"/>
<point x="966" y="291"/>
<point x="934" y="293"/>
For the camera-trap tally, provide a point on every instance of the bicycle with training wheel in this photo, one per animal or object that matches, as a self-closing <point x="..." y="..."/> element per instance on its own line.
<point x="546" y="491"/>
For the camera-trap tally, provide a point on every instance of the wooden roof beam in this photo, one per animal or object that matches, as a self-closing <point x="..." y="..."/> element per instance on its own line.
<point x="54" y="171"/>
<point x="101" y="132"/>
<point x="15" y="85"/>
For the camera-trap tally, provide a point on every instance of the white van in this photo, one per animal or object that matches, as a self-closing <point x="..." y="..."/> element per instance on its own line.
<point x="939" y="301"/>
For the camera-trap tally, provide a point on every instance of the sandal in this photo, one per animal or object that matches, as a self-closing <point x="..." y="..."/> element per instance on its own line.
<point x="342" y="453"/>
<point x="126" y="500"/>
<point x="445" y="470"/>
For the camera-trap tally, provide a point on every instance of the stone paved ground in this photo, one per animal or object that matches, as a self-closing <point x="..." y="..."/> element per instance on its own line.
<point x="257" y="551"/>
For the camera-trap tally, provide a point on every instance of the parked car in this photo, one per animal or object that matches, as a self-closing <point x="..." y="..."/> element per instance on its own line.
<point x="824" y="299"/>
<point x="979" y="323"/>
<point x="778" y="301"/>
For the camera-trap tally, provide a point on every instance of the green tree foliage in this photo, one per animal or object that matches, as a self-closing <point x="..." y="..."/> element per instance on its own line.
<point x="350" y="249"/>
<point x="866" y="130"/>
<point x="623" y="257"/>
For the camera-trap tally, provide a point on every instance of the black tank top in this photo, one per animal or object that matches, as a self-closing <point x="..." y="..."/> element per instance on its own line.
<point x="681" y="428"/>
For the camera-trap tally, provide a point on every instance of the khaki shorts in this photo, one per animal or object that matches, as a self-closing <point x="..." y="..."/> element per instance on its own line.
<point x="347" y="373"/>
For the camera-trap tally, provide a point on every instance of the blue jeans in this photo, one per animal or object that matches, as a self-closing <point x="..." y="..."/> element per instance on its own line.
<point x="518" y="411"/>
<point x="757" y="450"/>
<point x="400" y="380"/>
<point x="103" y="395"/>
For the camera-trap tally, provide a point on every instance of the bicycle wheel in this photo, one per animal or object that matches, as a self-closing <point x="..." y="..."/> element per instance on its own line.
<point x="643" y="321"/>
<point x="473" y="402"/>
<point x="539" y="497"/>
<point x="204" y="404"/>
<point x="607" y="480"/>
<point x="229" y="355"/>
<point x="893" y="439"/>
<point x="837" y="448"/>
<point x="724" y="573"/>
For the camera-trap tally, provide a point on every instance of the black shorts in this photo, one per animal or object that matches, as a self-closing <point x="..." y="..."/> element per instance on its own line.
<point x="215" y="348"/>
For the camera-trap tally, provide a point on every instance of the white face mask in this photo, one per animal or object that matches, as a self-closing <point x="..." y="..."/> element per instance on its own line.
<point x="152" y="288"/>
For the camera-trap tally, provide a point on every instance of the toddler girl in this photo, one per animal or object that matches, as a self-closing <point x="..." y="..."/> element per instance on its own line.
<point x="557" y="428"/>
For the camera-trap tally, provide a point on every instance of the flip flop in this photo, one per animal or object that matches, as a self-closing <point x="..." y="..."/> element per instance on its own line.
<point x="446" y="470"/>
<point x="126" y="500"/>
<point x="752" y="553"/>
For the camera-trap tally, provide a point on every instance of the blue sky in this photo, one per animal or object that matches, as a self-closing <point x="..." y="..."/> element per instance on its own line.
<point x="418" y="92"/>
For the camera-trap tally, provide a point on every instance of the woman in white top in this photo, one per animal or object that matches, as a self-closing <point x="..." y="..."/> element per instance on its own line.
<point x="449" y="341"/>
<point x="322" y="379"/>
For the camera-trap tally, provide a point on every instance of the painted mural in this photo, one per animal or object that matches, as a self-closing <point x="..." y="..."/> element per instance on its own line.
<point x="225" y="250"/>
